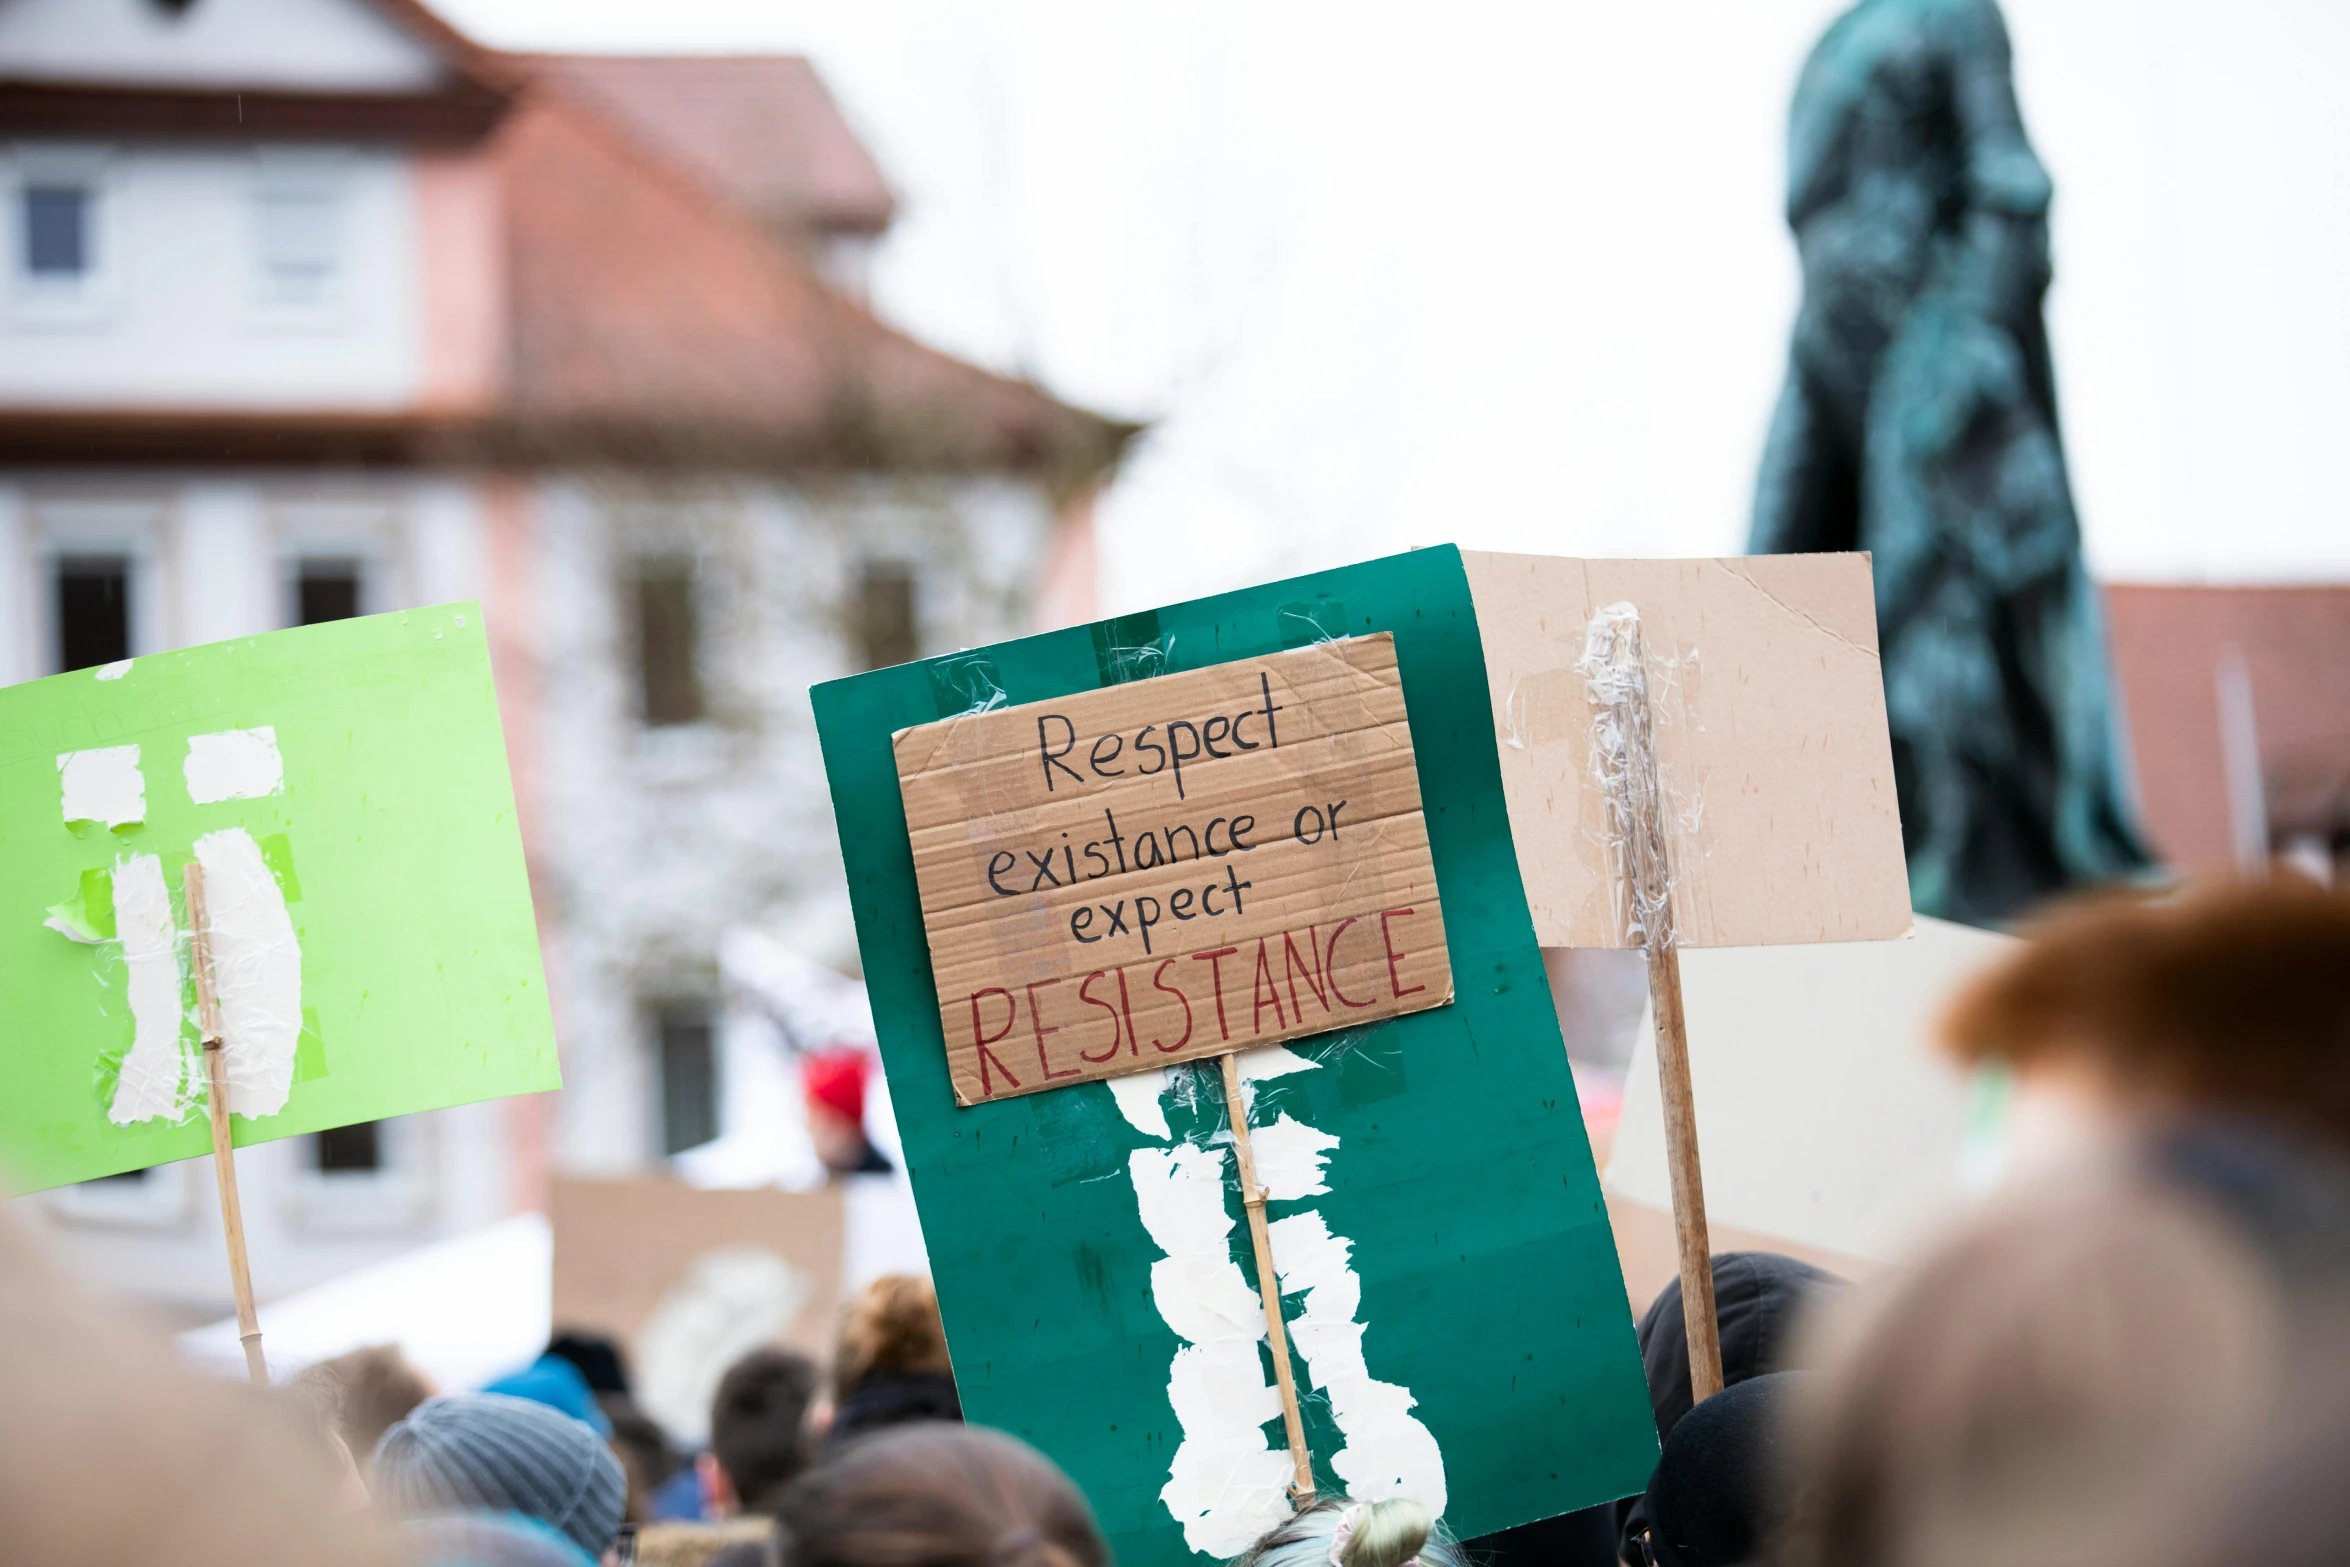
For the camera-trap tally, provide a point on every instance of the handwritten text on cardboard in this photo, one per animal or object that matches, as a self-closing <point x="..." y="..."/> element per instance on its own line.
<point x="1207" y="861"/>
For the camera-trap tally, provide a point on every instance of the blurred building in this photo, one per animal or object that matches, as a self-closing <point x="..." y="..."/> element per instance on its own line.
<point x="312" y="308"/>
<point x="2237" y="706"/>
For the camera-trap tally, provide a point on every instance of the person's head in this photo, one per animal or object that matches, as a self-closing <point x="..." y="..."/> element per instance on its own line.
<point x="315" y="1403"/>
<point x="372" y="1390"/>
<point x="893" y="1325"/>
<point x="1718" y="1487"/>
<point x="2072" y="1378"/>
<point x="1334" y="1532"/>
<point x="486" y="1452"/>
<point x="596" y="1355"/>
<point x="644" y="1452"/>
<point x="758" y="1431"/>
<point x="936" y="1495"/>
<point x="2231" y="998"/>
<point x="116" y="1454"/>
<point x="1760" y="1299"/>
<point x="555" y="1382"/>
<point x="487" y="1540"/>
<point x="835" y="1085"/>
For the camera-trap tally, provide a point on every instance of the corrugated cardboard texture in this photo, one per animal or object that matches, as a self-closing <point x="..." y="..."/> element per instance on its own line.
<point x="621" y="1248"/>
<point x="1770" y="736"/>
<point x="1125" y="878"/>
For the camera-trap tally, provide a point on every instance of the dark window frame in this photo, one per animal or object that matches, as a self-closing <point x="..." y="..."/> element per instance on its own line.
<point x="94" y="625"/>
<point x="683" y="1035"/>
<point x="50" y="253"/>
<point x="328" y="587"/>
<point x="888" y="613"/>
<point x="663" y="598"/>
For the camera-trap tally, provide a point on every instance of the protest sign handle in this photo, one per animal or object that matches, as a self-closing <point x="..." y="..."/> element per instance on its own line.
<point x="1252" y="1196"/>
<point x="1689" y="1227"/>
<point x="224" y="1167"/>
<point x="1615" y="670"/>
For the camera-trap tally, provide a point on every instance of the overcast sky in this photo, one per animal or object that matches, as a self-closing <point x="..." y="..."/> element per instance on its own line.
<point x="1516" y="276"/>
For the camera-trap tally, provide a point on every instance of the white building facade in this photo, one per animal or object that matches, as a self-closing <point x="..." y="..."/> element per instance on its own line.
<point x="311" y="308"/>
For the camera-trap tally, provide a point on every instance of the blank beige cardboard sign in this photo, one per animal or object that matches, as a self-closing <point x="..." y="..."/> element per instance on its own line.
<point x="1201" y="862"/>
<point x="688" y="1280"/>
<point x="1770" y="739"/>
<point x="1829" y="1116"/>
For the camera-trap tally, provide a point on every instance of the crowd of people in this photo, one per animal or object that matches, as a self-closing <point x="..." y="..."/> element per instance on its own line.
<point x="2138" y="1353"/>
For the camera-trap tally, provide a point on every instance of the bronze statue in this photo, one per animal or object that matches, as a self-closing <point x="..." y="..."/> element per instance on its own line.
<point x="1919" y="422"/>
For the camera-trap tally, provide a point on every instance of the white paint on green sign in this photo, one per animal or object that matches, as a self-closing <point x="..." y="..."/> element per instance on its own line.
<point x="103" y="785"/>
<point x="257" y="970"/>
<point x="1227" y="1481"/>
<point x="234" y="764"/>
<point x="1388" y="1453"/>
<point x="153" y="1079"/>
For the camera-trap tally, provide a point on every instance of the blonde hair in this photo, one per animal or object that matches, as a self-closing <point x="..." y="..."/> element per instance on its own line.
<point x="893" y="1326"/>
<point x="1383" y="1534"/>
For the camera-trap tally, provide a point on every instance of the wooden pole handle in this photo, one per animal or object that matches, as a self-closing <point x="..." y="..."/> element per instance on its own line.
<point x="224" y="1160"/>
<point x="1252" y="1197"/>
<point x="1619" y="679"/>
<point x="1690" y="1238"/>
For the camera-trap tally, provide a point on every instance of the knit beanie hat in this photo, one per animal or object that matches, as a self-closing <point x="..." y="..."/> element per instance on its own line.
<point x="485" y="1452"/>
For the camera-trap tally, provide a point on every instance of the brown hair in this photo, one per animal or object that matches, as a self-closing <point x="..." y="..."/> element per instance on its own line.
<point x="370" y="1391"/>
<point x="893" y="1326"/>
<point x="2234" y="995"/>
<point x="935" y="1495"/>
<point x="2072" y="1379"/>
<point x="759" y="1424"/>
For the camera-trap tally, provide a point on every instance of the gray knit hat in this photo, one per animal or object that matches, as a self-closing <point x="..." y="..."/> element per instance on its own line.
<point x="485" y="1452"/>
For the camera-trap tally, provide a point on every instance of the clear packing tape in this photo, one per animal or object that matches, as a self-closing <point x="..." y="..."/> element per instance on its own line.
<point x="1615" y="674"/>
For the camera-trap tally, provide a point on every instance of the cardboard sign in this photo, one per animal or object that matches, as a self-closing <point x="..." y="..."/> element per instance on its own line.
<point x="1770" y="739"/>
<point x="689" y="1281"/>
<point x="1830" y="1119"/>
<point x="1456" y="1313"/>
<point x="1116" y="880"/>
<point x="345" y="788"/>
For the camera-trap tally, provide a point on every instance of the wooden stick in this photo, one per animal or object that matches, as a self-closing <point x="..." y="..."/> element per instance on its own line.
<point x="1252" y="1196"/>
<point x="1689" y="1229"/>
<point x="1620" y="682"/>
<point x="224" y="1162"/>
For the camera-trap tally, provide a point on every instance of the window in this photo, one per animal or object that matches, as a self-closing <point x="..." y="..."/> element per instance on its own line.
<point x="93" y="611"/>
<point x="886" y="628"/>
<point x="350" y="1150"/>
<point x="326" y="590"/>
<point x="688" y="1069"/>
<point x="298" y="228"/>
<point x="56" y="229"/>
<point x="671" y="685"/>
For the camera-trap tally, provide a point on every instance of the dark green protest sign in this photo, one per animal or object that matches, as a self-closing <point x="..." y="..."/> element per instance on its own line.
<point x="1454" y="1307"/>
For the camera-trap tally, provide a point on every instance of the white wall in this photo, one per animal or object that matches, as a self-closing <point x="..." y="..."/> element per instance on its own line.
<point x="176" y="314"/>
<point x="346" y="44"/>
<point x="656" y="840"/>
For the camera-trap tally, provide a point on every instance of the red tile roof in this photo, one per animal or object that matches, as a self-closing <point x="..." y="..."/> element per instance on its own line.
<point x="2296" y="647"/>
<point x="654" y="319"/>
<point x="761" y="129"/>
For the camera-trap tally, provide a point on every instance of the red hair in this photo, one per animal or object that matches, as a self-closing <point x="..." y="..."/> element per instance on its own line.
<point x="2231" y="996"/>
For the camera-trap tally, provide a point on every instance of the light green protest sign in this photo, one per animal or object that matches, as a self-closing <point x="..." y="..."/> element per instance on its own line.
<point x="344" y="788"/>
<point x="1454" y="1313"/>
